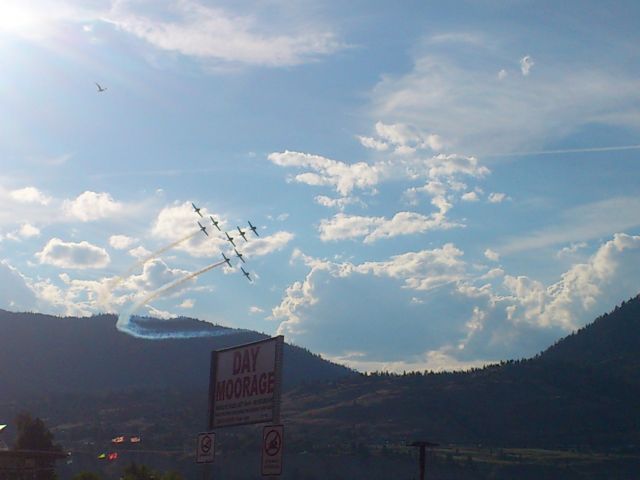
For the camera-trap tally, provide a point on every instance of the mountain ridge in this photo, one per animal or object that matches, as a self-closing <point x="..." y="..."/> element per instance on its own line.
<point x="46" y="354"/>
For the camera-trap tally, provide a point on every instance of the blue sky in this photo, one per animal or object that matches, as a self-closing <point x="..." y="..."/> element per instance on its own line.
<point x="435" y="184"/>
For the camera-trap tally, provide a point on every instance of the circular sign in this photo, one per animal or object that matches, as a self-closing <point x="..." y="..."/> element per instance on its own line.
<point x="205" y="444"/>
<point x="272" y="443"/>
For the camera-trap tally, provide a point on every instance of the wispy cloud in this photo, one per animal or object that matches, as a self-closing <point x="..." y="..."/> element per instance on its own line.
<point x="473" y="111"/>
<point x="586" y="222"/>
<point x="194" y="29"/>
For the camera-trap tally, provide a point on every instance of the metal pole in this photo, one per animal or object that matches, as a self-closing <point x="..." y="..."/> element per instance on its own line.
<point x="422" y="445"/>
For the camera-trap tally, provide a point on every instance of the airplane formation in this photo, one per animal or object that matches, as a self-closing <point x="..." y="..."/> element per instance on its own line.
<point x="243" y="234"/>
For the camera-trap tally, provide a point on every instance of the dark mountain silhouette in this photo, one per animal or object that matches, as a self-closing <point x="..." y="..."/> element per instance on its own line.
<point x="584" y="390"/>
<point x="42" y="354"/>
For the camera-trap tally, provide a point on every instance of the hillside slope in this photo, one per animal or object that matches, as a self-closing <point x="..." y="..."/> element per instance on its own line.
<point x="585" y="390"/>
<point x="42" y="354"/>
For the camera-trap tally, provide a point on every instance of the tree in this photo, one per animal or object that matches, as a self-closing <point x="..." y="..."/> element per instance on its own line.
<point x="33" y="434"/>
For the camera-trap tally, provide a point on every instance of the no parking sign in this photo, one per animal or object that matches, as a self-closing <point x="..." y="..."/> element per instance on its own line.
<point x="272" y="445"/>
<point x="206" y="449"/>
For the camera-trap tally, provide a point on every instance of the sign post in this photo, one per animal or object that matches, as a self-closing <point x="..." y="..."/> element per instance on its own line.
<point x="272" y="446"/>
<point x="245" y="384"/>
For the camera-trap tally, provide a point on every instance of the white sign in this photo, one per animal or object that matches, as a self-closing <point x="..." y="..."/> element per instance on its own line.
<point x="272" y="446"/>
<point x="206" y="449"/>
<point x="245" y="384"/>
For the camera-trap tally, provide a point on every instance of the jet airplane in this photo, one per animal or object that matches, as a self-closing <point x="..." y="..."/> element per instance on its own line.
<point x="230" y="238"/>
<point x="242" y="234"/>
<point x="226" y="259"/>
<point x="196" y="209"/>
<point x="253" y="229"/>
<point x="239" y="255"/>
<point x="203" y="229"/>
<point x="100" y="88"/>
<point x="246" y="274"/>
<point x="214" y="223"/>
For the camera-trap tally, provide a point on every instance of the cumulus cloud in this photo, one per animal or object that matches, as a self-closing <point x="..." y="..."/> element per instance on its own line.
<point x="90" y="206"/>
<point x="495" y="197"/>
<point x="187" y="303"/>
<point x="253" y="310"/>
<point x="337" y="203"/>
<point x="526" y="64"/>
<point x="175" y="222"/>
<point x="30" y="195"/>
<point x="26" y="230"/>
<point x="441" y="174"/>
<point x="470" y="197"/>
<point x="372" y="143"/>
<point x="121" y="242"/>
<point x="265" y="245"/>
<point x="342" y="226"/>
<point x="403" y="138"/>
<point x="73" y="255"/>
<point x="491" y="255"/>
<point x="326" y="172"/>
<point x="571" y="249"/>
<point x="468" y="316"/>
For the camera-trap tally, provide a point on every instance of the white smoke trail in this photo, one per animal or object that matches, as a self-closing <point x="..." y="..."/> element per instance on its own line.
<point x="124" y="325"/>
<point x="106" y="292"/>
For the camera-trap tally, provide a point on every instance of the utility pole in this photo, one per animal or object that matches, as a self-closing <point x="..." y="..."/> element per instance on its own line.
<point x="422" y="445"/>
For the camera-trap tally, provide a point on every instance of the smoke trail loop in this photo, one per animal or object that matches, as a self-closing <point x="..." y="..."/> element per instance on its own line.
<point x="124" y="325"/>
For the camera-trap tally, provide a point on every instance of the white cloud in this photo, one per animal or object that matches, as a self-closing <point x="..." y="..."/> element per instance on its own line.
<point x="200" y="31"/>
<point x="178" y="222"/>
<point x="468" y="316"/>
<point x="344" y="177"/>
<point x="342" y="226"/>
<point x="491" y="255"/>
<point x="139" y="252"/>
<point x="90" y="206"/>
<point x="73" y="255"/>
<point x="155" y="274"/>
<point x="502" y="74"/>
<point x="187" y="303"/>
<point x="26" y="230"/>
<point x="404" y="139"/>
<point x="586" y="222"/>
<point x="30" y="195"/>
<point x="121" y="242"/>
<point x="161" y="314"/>
<point x="16" y="294"/>
<point x="495" y="197"/>
<point x="571" y="249"/>
<point x="526" y="64"/>
<point x="470" y="197"/>
<point x="253" y="310"/>
<point x="337" y="203"/>
<point x="372" y="143"/>
<point x="473" y="112"/>
<point x="258" y="247"/>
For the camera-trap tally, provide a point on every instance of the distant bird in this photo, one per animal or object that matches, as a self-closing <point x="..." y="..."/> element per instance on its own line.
<point x="100" y="88"/>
